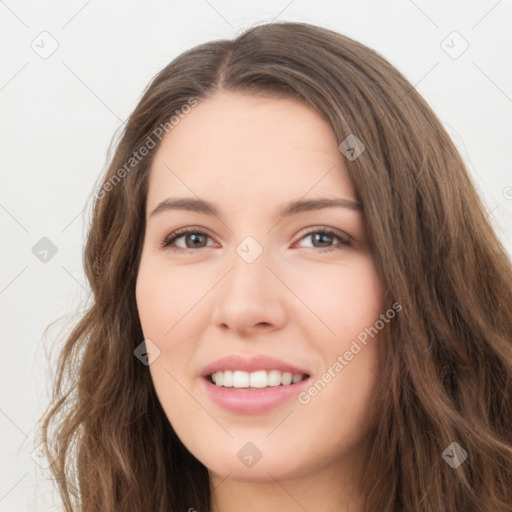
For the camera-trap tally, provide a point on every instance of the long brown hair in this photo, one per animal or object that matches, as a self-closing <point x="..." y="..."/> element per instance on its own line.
<point x="446" y="372"/>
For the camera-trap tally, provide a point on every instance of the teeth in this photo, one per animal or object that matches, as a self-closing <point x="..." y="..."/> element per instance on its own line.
<point x="258" y="379"/>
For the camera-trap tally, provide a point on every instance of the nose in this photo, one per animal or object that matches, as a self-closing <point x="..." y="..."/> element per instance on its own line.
<point x="250" y="298"/>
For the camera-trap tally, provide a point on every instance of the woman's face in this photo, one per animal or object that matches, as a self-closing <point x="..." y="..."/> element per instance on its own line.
<point x="253" y="283"/>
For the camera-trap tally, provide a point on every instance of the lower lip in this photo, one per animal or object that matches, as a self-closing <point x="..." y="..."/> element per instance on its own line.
<point x="255" y="401"/>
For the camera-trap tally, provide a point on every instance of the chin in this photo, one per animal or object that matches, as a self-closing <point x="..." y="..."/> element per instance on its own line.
<point x="243" y="463"/>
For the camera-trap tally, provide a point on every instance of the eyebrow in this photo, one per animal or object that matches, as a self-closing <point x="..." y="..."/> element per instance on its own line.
<point x="286" y="210"/>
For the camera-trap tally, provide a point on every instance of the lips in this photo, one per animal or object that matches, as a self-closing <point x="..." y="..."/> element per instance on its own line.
<point x="250" y="364"/>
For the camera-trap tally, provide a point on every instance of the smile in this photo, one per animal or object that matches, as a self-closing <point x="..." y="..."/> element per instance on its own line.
<point x="253" y="400"/>
<point x="254" y="380"/>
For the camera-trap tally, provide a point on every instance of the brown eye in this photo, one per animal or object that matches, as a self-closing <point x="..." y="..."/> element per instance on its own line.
<point x="326" y="236"/>
<point x="193" y="237"/>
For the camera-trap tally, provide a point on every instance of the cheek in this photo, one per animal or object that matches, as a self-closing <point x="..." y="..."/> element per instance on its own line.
<point x="162" y="311"/>
<point x="346" y="299"/>
<point x="165" y="302"/>
<point x="362" y="302"/>
<point x="163" y="297"/>
<point x="349" y="306"/>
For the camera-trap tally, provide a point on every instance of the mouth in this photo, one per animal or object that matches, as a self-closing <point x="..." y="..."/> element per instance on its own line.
<point x="253" y="394"/>
<point x="261" y="379"/>
<point x="253" y="385"/>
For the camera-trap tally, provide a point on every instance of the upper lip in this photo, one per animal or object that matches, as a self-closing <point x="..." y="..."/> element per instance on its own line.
<point x="250" y="364"/>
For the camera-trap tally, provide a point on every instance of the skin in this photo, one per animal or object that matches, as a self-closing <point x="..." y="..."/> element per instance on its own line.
<point x="250" y="154"/>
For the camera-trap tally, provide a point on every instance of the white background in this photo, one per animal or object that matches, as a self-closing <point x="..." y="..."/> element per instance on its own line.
<point x="60" y="113"/>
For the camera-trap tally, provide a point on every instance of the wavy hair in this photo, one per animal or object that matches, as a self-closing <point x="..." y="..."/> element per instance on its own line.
<point x="446" y="371"/>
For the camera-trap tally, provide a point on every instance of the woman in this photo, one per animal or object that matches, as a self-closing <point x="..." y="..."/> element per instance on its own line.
<point x="298" y="300"/>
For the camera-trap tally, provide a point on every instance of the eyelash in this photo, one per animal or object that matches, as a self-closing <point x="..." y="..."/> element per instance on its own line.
<point x="175" y="235"/>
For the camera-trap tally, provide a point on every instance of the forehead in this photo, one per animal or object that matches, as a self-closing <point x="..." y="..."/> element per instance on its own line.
<point x="244" y="146"/>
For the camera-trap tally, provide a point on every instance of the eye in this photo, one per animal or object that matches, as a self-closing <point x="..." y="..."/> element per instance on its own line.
<point x="320" y="235"/>
<point x="326" y="236"/>
<point x="184" y="233"/>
